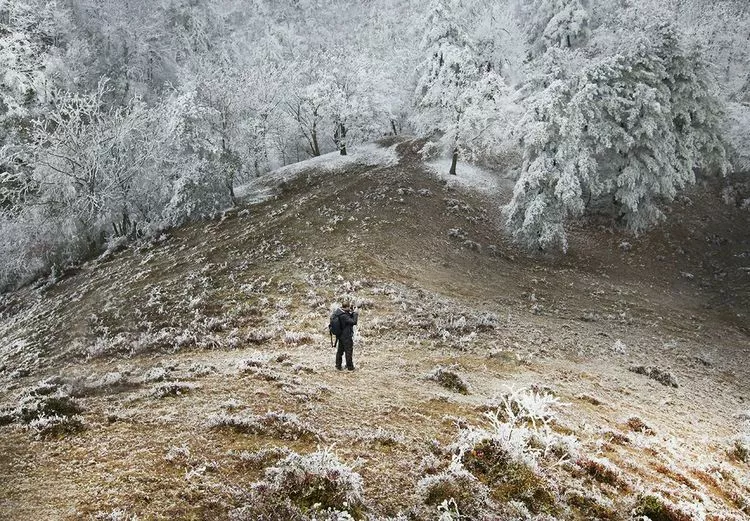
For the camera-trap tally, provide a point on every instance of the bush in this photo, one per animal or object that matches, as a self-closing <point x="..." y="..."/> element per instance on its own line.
<point x="663" y="377"/>
<point x="276" y="424"/>
<point x="740" y="449"/>
<point x="173" y="389"/>
<point x="450" y="380"/>
<point x="48" y="406"/>
<point x="505" y="455"/>
<point x="458" y="486"/>
<point x="659" y="509"/>
<point x="299" y="485"/>
<point x="56" y="426"/>
<point x="601" y="470"/>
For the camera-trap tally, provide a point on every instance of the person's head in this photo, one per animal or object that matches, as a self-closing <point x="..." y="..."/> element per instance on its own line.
<point x="346" y="304"/>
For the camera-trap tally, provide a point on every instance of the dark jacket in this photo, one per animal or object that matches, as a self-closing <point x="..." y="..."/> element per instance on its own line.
<point x="348" y="321"/>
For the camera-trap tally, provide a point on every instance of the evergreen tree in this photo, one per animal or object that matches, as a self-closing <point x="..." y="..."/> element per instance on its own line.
<point x="621" y="133"/>
<point x="554" y="23"/>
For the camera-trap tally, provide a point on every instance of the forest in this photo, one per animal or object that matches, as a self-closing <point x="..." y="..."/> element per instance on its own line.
<point x="123" y="119"/>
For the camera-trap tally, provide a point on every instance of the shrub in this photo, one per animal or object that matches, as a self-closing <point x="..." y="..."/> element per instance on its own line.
<point x="276" y="424"/>
<point x="178" y="455"/>
<point x="173" y="389"/>
<point x="56" y="426"/>
<point x="299" y="485"/>
<point x="382" y="437"/>
<point x="740" y="449"/>
<point x="295" y="338"/>
<point x="505" y="455"/>
<point x="259" y="336"/>
<point x="663" y="377"/>
<point x="48" y="406"/>
<point x="450" y="380"/>
<point x="7" y="416"/>
<point x="116" y="515"/>
<point x="263" y="457"/>
<point x="458" y="486"/>
<point x="591" y="504"/>
<point x="509" y="479"/>
<point x="635" y="424"/>
<point x="601" y="470"/>
<point x="659" y="509"/>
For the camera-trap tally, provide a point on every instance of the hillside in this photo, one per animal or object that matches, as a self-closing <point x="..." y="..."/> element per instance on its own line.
<point x="185" y="370"/>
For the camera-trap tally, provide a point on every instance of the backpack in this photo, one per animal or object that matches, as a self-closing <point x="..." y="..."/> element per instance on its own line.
<point x="334" y="327"/>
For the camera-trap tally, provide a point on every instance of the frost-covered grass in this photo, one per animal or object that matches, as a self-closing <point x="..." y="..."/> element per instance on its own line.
<point x="280" y="425"/>
<point x="469" y="176"/>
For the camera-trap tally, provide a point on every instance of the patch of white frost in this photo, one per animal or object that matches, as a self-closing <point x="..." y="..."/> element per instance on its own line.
<point x="470" y="176"/>
<point x="265" y="186"/>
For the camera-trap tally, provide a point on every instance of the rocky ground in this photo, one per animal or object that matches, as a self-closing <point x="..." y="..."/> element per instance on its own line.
<point x="192" y="377"/>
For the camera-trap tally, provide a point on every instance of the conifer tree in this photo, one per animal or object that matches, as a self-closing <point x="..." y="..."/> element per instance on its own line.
<point x="621" y="133"/>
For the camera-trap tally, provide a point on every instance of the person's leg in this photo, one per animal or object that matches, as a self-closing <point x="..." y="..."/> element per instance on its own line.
<point x="349" y="350"/>
<point x="339" y="355"/>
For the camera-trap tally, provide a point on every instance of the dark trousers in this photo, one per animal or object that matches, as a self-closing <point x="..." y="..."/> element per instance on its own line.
<point x="346" y="346"/>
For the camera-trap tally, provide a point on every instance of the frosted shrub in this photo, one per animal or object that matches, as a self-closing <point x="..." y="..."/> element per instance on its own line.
<point x="602" y="470"/>
<point x="505" y="454"/>
<point x="526" y="405"/>
<point x="297" y="486"/>
<point x="741" y="447"/>
<point x="455" y="486"/>
<point x="449" y="379"/>
<point x="259" y="336"/>
<point x="255" y="361"/>
<point x="155" y="374"/>
<point x="655" y="506"/>
<point x="448" y="511"/>
<point x="263" y="457"/>
<point x="276" y="424"/>
<point x="178" y="455"/>
<point x="381" y="436"/>
<point x="54" y="404"/>
<point x="296" y="338"/>
<point x="173" y="389"/>
<point x="117" y="514"/>
<point x="56" y="426"/>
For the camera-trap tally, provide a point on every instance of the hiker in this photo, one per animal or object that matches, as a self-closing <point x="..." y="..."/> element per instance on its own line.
<point x="342" y="325"/>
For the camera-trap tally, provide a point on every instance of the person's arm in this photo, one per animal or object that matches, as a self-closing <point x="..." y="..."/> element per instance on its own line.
<point x="350" y="319"/>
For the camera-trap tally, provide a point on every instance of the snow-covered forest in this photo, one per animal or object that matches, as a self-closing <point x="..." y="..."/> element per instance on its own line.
<point x="120" y="119"/>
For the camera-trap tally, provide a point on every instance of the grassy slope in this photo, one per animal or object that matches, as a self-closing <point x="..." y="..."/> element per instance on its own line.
<point x="257" y="284"/>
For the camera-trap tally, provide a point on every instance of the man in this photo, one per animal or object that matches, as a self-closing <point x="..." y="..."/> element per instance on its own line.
<point x="347" y="319"/>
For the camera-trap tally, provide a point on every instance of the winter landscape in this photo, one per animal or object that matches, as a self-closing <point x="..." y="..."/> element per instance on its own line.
<point x="540" y="209"/>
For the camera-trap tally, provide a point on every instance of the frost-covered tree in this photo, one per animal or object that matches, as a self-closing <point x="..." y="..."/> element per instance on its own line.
<point x="621" y="133"/>
<point x="554" y="23"/>
<point x="88" y="159"/>
<point x="457" y="96"/>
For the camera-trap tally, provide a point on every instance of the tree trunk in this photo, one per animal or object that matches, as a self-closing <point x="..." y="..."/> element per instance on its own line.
<point x="339" y="137"/>
<point x="314" y="138"/>
<point x="453" y="162"/>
